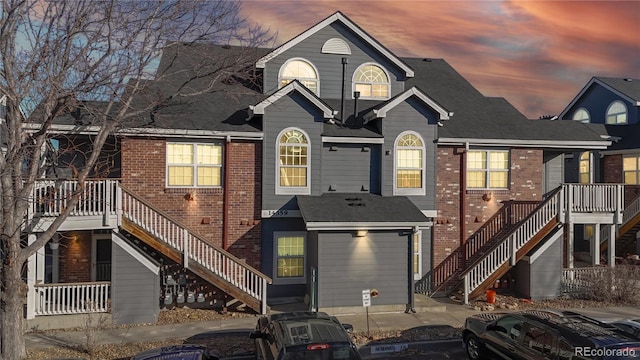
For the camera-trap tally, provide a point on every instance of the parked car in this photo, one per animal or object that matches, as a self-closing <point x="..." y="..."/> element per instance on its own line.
<point x="303" y="336"/>
<point x="181" y="352"/>
<point x="542" y="334"/>
<point x="629" y="326"/>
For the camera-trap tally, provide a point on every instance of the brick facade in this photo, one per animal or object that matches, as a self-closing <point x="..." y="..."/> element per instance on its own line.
<point x="612" y="170"/>
<point x="143" y="172"/>
<point x="74" y="256"/>
<point x="526" y="183"/>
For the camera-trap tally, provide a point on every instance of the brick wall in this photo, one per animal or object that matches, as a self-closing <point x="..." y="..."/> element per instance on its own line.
<point x="525" y="184"/>
<point x="612" y="168"/>
<point x="143" y="172"/>
<point x="74" y="255"/>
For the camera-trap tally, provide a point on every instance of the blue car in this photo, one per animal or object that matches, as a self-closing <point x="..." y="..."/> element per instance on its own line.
<point x="178" y="352"/>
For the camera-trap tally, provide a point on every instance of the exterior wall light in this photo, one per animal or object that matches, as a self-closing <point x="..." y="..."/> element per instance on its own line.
<point x="361" y="233"/>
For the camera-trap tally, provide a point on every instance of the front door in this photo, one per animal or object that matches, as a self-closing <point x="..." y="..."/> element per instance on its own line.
<point x="102" y="260"/>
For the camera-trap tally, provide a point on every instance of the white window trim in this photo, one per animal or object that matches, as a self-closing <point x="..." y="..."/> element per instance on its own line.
<point x="486" y="171"/>
<point x="291" y="190"/>
<point x="587" y="120"/>
<point x="292" y="280"/>
<point x="353" y="82"/>
<point x="626" y="112"/>
<point x="194" y="165"/>
<point x="409" y="191"/>
<point x="317" y="79"/>
<point x="417" y="275"/>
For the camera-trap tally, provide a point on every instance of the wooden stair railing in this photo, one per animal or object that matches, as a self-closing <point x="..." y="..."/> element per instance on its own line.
<point x="176" y="241"/>
<point x="626" y="232"/>
<point x="542" y="221"/>
<point x="445" y="276"/>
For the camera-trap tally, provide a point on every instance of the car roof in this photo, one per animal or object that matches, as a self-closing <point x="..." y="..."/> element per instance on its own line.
<point x="297" y="328"/>
<point x="580" y="329"/>
<point x="184" y="352"/>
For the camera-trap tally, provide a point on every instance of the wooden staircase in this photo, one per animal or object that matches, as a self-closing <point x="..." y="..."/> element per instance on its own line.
<point x="626" y="232"/>
<point x="213" y="264"/>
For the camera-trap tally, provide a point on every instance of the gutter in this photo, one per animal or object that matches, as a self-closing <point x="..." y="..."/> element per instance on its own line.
<point x="592" y="144"/>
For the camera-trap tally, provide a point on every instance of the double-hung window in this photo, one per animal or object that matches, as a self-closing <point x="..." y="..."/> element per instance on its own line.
<point x="631" y="169"/>
<point x="488" y="169"/>
<point x="410" y="164"/>
<point x="585" y="168"/>
<point x="194" y="165"/>
<point x="290" y="252"/>
<point x="293" y="163"/>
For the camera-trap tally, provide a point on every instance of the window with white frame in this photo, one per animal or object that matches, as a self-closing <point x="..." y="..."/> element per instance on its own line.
<point x="290" y="257"/>
<point x="371" y="81"/>
<point x="617" y="113"/>
<point x="301" y="70"/>
<point x="410" y="164"/>
<point x="581" y="115"/>
<point x="631" y="169"/>
<point x="585" y="168"/>
<point x="293" y="162"/>
<point x="417" y="255"/>
<point x="488" y="169"/>
<point x="194" y="165"/>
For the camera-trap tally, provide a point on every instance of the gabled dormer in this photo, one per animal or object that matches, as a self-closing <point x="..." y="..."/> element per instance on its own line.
<point x="609" y="101"/>
<point x="335" y="58"/>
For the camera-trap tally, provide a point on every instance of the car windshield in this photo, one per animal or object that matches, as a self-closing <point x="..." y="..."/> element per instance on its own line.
<point x="342" y="352"/>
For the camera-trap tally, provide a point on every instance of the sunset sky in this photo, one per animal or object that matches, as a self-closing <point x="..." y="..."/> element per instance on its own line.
<point x="536" y="54"/>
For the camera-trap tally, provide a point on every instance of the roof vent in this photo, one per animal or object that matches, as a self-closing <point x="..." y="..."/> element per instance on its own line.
<point x="628" y="79"/>
<point x="336" y="46"/>
<point x="426" y="59"/>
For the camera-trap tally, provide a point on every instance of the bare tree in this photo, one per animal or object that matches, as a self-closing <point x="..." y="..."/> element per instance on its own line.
<point x="97" y="57"/>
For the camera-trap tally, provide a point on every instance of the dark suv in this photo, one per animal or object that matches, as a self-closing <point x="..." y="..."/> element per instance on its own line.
<point x="303" y="336"/>
<point x="542" y="334"/>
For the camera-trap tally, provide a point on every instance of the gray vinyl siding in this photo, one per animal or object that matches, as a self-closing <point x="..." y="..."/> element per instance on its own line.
<point x="410" y="115"/>
<point x="329" y="66"/>
<point x="135" y="289"/>
<point x="349" y="168"/>
<point x="546" y="271"/>
<point x="345" y="268"/>
<point x="597" y="100"/>
<point x="553" y="171"/>
<point x="293" y="111"/>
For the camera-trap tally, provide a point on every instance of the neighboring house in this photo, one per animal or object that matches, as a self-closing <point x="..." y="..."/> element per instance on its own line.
<point x="612" y="104"/>
<point x="345" y="168"/>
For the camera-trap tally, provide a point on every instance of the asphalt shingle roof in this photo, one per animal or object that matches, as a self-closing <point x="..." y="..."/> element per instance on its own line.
<point x="627" y="86"/>
<point x="359" y="207"/>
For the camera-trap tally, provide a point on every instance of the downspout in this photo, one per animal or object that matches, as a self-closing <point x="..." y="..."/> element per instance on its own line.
<point x="225" y="195"/>
<point x="463" y="203"/>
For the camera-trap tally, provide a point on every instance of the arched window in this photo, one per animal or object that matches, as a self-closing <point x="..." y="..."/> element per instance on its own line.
<point x="410" y="164"/>
<point x="371" y="81"/>
<point x="617" y="113"/>
<point x="585" y="168"/>
<point x="301" y="70"/>
<point x="581" y="115"/>
<point x="293" y="162"/>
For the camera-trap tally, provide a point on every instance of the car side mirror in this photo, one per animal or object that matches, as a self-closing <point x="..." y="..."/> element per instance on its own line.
<point x="348" y="328"/>
<point x="257" y="335"/>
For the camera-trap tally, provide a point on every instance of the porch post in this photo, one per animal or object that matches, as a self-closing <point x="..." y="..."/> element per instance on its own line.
<point x="611" y="249"/>
<point x="35" y="274"/>
<point x="568" y="206"/>
<point x="595" y="246"/>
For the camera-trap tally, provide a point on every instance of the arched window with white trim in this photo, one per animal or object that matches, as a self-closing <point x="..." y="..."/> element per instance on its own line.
<point x="617" y="113"/>
<point x="582" y="115"/>
<point x="409" y="164"/>
<point x="301" y="70"/>
<point x="372" y="81"/>
<point x="585" y="168"/>
<point x="293" y="162"/>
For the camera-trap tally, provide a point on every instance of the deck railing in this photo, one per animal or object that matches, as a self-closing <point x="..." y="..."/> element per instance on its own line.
<point x="72" y="298"/>
<point x="629" y="213"/>
<point x="51" y="197"/>
<point x="579" y="280"/>
<point x="584" y="198"/>
<point x="196" y="248"/>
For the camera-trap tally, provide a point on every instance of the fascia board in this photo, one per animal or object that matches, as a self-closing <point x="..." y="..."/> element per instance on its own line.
<point x="596" y="145"/>
<point x="352" y="26"/>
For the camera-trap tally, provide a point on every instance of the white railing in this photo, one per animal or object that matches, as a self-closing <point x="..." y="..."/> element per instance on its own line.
<point x="51" y="197"/>
<point x="629" y="213"/>
<point x="72" y="298"/>
<point x="594" y="197"/>
<point x="195" y="248"/>
<point x="506" y="250"/>
<point x="577" y="280"/>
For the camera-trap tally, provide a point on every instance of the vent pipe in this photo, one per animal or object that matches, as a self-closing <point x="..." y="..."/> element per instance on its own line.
<point x="356" y="95"/>
<point x="344" y="80"/>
